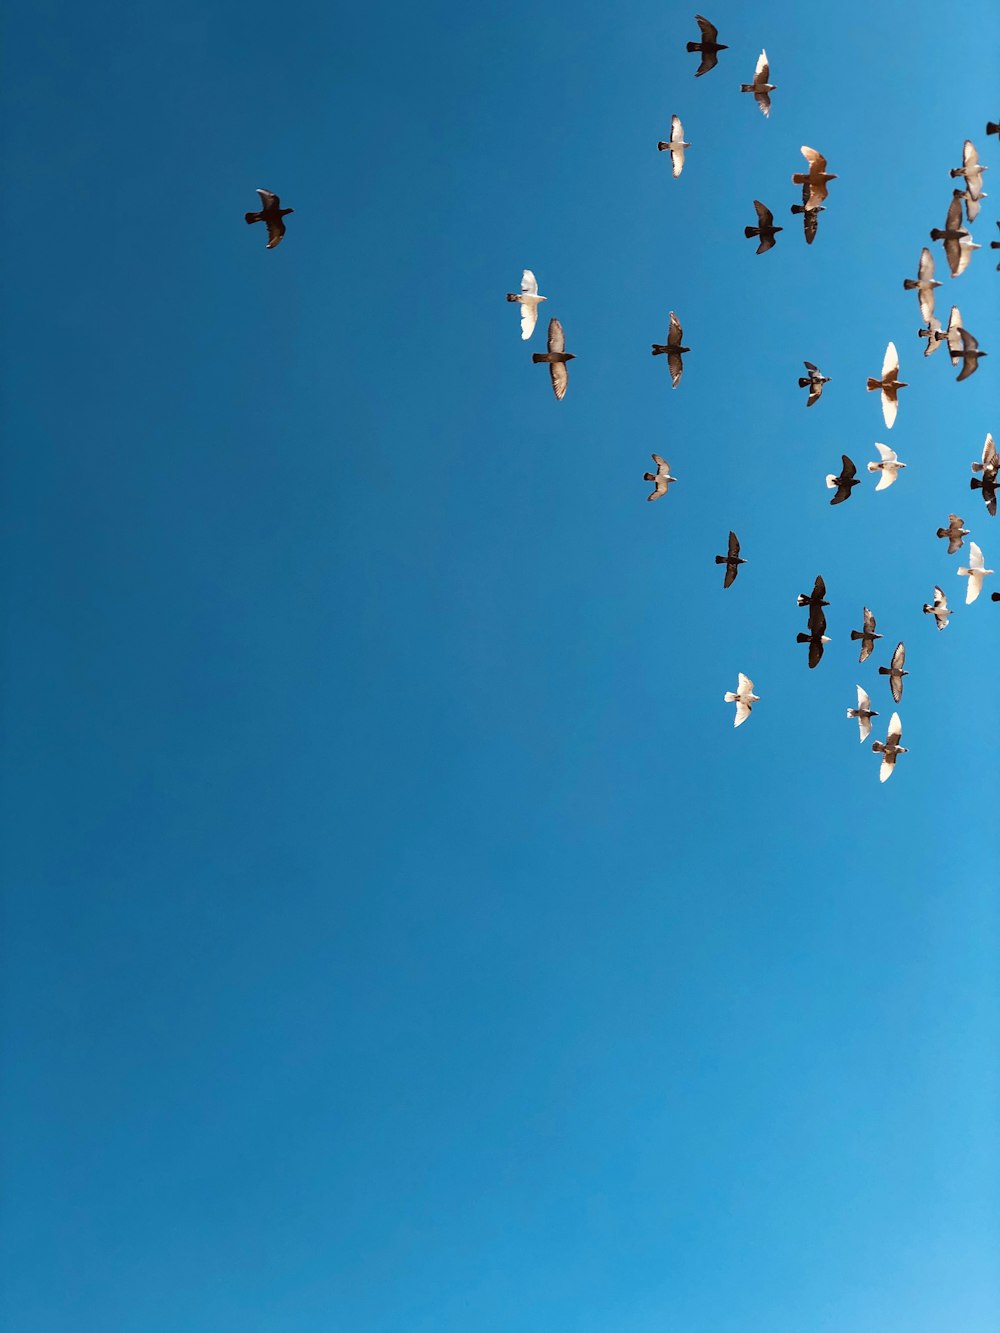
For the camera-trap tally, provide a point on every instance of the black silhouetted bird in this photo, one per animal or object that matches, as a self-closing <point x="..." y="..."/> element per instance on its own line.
<point x="866" y="636"/>
<point x="971" y="356"/>
<point x="895" y="672"/>
<point x="731" y="561"/>
<point x="760" y="87"/>
<point x="995" y="245"/>
<point x="816" y="598"/>
<point x="931" y="332"/>
<point x="810" y="216"/>
<point x="814" y="382"/>
<point x="708" y="46"/>
<point x="556" y="358"/>
<point x="766" y="229"/>
<point x="958" y="244"/>
<point x="845" y="482"/>
<point x="816" y="178"/>
<point x="816" y="638"/>
<point x="673" y="350"/>
<point x="271" y="215"/>
<point x="955" y="531"/>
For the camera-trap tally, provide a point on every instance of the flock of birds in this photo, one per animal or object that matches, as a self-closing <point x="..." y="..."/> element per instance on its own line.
<point x="962" y="346"/>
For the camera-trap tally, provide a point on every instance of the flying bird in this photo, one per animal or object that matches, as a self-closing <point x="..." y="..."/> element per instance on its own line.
<point x="932" y="332"/>
<point x="675" y="144"/>
<point x="954" y="532"/>
<point x="990" y="468"/>
<point x="815" y="599"/>
<point x="760" y="87"/>
<point x="890" y="749"/>
<point x="845" y="482"/>
<point x="731" y="561"/>
<point x="924" y="284"/>
<point x="815" y="178"/>
<point x="890" y="467"/>
<point x="975" y="573"/>
<point x="866" y="636"/>
<point x="556" y="358"/>
<point x="529" y="301"/>
<point x="971" y="356"/>
<point x="958" y="245"/>
<point x="973" y="203"/>
<point x="816" y="638"/>
<point x="971" y="170"/>
<point x="743" y="697"/>
<point x="995" y="245"/>
<point x="814" y="382"/>
<point x="864" y="713"/>
<point x="766" y="229"/>
<point x="661" y="476"/>
<point x="895" y="672"/>
<point x="271" y="214"/>
<point x="938" y="608"/>
<point x="708" y="46"/>
<point x="952" y="335"/>
<point x="810" y="216"/>
<point x="890" y="384"/>
<point x="673" y="350"/>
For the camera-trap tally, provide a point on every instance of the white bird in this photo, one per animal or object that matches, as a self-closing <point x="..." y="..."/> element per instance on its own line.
<point x="971" y="170"/>
<point x="743" y="697"/>
<point x="890" y="384"/>
<point x="661" y="476"/>
<point x="675" y="144"/>
<point x="529" y="300"/>
<point x="864" y="713"/>
<point x="760" y="87"/>
<point x="890" y="749"/>
<point x="975" y="573"/>
<point x="889" y="466"/>
<point x="938" y="608"/>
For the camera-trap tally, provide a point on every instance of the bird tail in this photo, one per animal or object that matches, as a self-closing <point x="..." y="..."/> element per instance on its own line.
<point x="658" y="350"/>
<point x="511" y="296"/>
<point x="942" y="532"/>
<point x="961" y="570"/>
<point x="831" y="482"/>
<point x="804" y="383"/>
<point x="856" y="634"/>
<point x="539" y="357"/>
<point x="648" y="476"/>
<point x="975" y="484"/>
<point x="874" y="384"/>
<point x="937" y="234"/>
<point x="852" y="712"/>
<point x="802" y="599"/>
<point x="909" y="284"/>
<point x="746" y="87"/>
<point x="729" y="697"/>
<point x="661" y="145"/>
<point x="720" y="560"/>
<point x="798" y="208"/>
<point x="803" y="638"/>
<point x="878" y="747"/>
<point x="751" y="231"/>
<point x="694" y="46"/>
<point x="992" y="127"/>
<point x="254" y="217"/>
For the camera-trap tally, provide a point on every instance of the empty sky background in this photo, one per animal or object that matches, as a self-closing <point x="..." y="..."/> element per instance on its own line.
<point x="397" y="934"/>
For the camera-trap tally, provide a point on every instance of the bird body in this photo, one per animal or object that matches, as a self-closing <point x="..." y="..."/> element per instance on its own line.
<point x="890" y="384"/>
<point x="813" y="381"/>
<point x="271" y="214"/>
<point x="765" y="228"/>
<point x="816" y="598"/>
<point x="975" y="573"/>
<point x="955" y="531"/>
<point x="743" y="697"/>
<point x="890" y="749"/>
<point x="971" y="356"/>
<point x="924" y="284"/>
<point x="864" y="713"/>
<point x="673" y="350"/>
<point x="556" y="358"/>
<point x="815" y="179"/>
<point x="760" y="87"/>
<point x="971" y="169"/>
<point x="810" y="216"/>
<point x="866" y="635"/>
<point x="731" y="560"/>
<point x="958" y="244"/>
<point x="661" y="477"/>
<point x="990" y="468"/>
<point x="895" y="672"/>
<point x="675" y="144"/>
<point x="938" y="608"/>
<point x="890" y="467"/>
<point x="709" y="46"/>
<point x="844" y="483"/>
<point x="529" y="300"/>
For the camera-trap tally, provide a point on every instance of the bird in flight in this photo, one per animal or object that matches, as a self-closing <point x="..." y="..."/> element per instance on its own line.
<point x="867" y="636"/>
<point x="816" y="598"/>
<point x="765" y="228"/>
<point x="890" y="384"/>
<point x="971" y="170"/>
<point x="813" y="381"/>
<point x="845" y="482"/>
<point x="731" y="561"/>
<point x="924" y="284"/>
<point x="529" y="301"/>
<point x="955" y="531"/>
<point x="995" y="245"/>
<point x="990" y="468"/>
<point x="272" y="215"/>
<point x="673" y="350"/>
<point x="890" y="749"/>
<point x="709" y="46"/>
<point x="816" y="638"/>
<point x="932" y="332"/>
<point x="890" y="467"/>
<point x="661" y="477"/>
<point x="975" y="573"/>
<point x="958" y="244"/>
<point x="952" y="335"/>
<point x="675" y="144"/>
<point x="816" y="178"/>
<point x="760" y="87"/>
<point x="810" y="216"/>
<point x="971" y="356"/>
<point x="743" y="697"/>
<point x="895" y="672"/>
<point x="556" y="358"/>
<point x="938" y="608"/>
<point x="864" y="713"/>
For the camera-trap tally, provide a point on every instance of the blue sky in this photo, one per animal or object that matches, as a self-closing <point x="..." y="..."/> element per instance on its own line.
<point x="397" y="935"/>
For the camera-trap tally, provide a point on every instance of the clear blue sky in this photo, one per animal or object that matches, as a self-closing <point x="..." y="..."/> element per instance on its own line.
<point x="397" y="935"/>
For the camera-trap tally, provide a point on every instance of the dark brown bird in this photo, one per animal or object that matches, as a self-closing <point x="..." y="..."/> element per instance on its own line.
<point x="815" y="178"/>
<point x="814" y="382"/>
<point x="766" y="230"/>
<point x="760" y="87"/>
<point x="673" y="350"/>
<point x="816" y="638"/>
<point x="895" y="672"/>
<point x="845" y="482"/>
<point x="731" y="561"/>
<point x="708" y="46"/>
<point x="271" y="215"/>
<point x="815" y="599"/>
<point x="955" y="531"/>
<point x="990" y="468"/>
<point x="556" y="358"/>
<point x="810" y="216"/>
<point x="958" y="246"/>
<point x="971" y="356"/>
<point x="992" y="127"/>
<point x="866" y="636"/>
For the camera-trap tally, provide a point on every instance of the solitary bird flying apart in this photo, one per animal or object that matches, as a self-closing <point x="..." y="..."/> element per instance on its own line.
<point x="938" y="608"/>
<point x="864" y="713"/>
<point x="675" y="144"/>
<point x="975" y="573"/>
<point x="815" y="178"/>
<point x="743" y="697"/>
<point x="661" y="476"/>
<point x="924" y="284"/>
<point x="990" y="468"/>
<point x="810" y="216"/>
<point x="845" y="482"/>
<point x="708" y="46"/>
<point x="813" y="381"/>
<point x="673" y="350"/>
<point x="731" y="561"/>
<point x="816" y="639"/>
<point x="766" y="229"/>
<point x="971" y="356"/>
<point x="890" y="467"/>
<point x="954" y="532"/>
<point x="556" y="357"/>
<point x="890" y="384"/>
<point x="890" y="749"/>
<point x="271" y="214"/>
<point x="895" y="672"/>
<point x="529" y="302"/>
<point x="760" y="87"/>
<point x="815" y="599"/>
<point x="866" y="636"/>
<point x="958" y="245"/>
<point x="971" y="170"/>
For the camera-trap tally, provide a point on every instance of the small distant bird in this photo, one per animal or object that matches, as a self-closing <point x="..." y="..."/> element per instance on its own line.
<point x="975" y="573"/>
<point x="866" y="636"/>
<point x="864" y="713"/>
<point x="895" y="672"/>
<point x="708" y="46"/>
<point x="816" y="177"/>
<point x="924" y="284"/>
<point x="958" y="244"/>
<point x="816" y="639"/>
<point x="890" y="749"/>
<point x="529" y="301"/>
<point x="556" y="358"/>
<point x="673" y="350"/>
<point x="810" y="216"/>
<point x="815" y="599"/>
<point x="954" y="532"/>
<point x="932" y="332"/>
<point x="271" y="215"/>
<point x="995" y="245"/>
<point x="938" y="608"/>
<point x="971" y="356"/>
<point x="675" y="144"/>
<point x="661" y="476"/>
<point x="731" y="561"/>
<point x="766" y="229"/>
<point x="743" y="697"/>
<point x="845" y="482"/>
<point x="890" y="467"/>
<point x="890" y="384"/>
<point x="990" y="468"/>
<point x="814" y="382"/>
<point x="971" y="170"/>
<point x="760" y="87"/>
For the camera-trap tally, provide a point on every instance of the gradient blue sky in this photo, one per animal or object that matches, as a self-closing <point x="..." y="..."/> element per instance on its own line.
<point x="397" y="935"/>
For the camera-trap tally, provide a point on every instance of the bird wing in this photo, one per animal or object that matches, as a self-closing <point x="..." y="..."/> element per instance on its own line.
<point x="849" y="471"/>
<point x="925" y="269"/>
<point x="990" y="456"/>
<point x="560" y="378"/>
<point x="954" y="256"/>
<point x="557" y="339"/>
<point x="819" y="587"/>
<point x="890" y="362"/>
<point x="887" y="766"/>
<point x="973" y="204"/>
<point x="742" y="711"/>
<point x="863" y="700"/>
<point x="889" y="409"/>
<point x="888" y="455"/>
<point x="869" y="622"/>
<point x="529" y="317"/>
<point x="529" y="283"/>
<point x="268" y="199"/>
<point x="275" y="231"/>
<point x="864" y="728"/>
<point x="895" y="734"/>
<point x="970" y="362"/>
<point x="734" y="545"/>
<point x="708" y="30"/>
<point x="817" y="162"/>
<point x="975" y="557"/>
<point x="764" y="215"/>
<point x="730" y="575"/>
<point x="964" y="249"/>
<point x="675" y="364"/>
<point x="676" y="130"/>
<point x="899" y="657"/>
<point x="746" y="684"/>
<point x="810" y="224"/>
<point x="810" y="367"/>
<point x="970" y="158"/>
<point x="763" y="100"/>
<point x="677" y="158"/>
<point x="761" y="74"/>
<point x="953" y="218"/>
<point x="816" y="647"/>
<point x="675" y="332"/>
<point x="662" y="467"/>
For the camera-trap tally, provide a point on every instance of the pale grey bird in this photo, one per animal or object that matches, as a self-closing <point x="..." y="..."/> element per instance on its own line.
<point x="895" y="672"/>
<point x="814" y="381"/>
<point x="952" y="335"/>
<point x="817" y="177"/>
<point x="890" y="749"/>
<point x="743" y="697"/>
<point x="971" y="356"/>
<point x="760" y="87"/>
<point x="932" y="332"/>
<point x="675" y="144"/>
<point x="890" y="467"/>
<point x="990" y="468"/>
<point x="955" y="531"/>
<point x="556" y="358"/>
<point x="971" y="170"/>
<point x="661" y="477"/>
<point x="864" y="713"/>
<point x="890" y="384"/>
<point x="924" y="284"/>
<point x="866" y="636"/>
<point x="975" y="573"/>
<point x="529" y="300"/>
<point x="938" y="608"/>
<point x="673" y="350"/>
<point x="973" y="203"/>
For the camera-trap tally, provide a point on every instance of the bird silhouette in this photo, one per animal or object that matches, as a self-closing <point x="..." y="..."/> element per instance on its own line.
<point x="271" y="214"/>
<point x="975" y="573"/>
<point x="924" y="284"/>
<point x="958" y="245"/>
<point x="971" y="356"/>
<point x="938" y="608"/>
<point x="766" y="229"/>
<point x="810" y="216"/>
<point x="816" y="598"/>
<point x="731" y="561"/>
<point x="890" y="749"/>
<point x="845" y="482"/>
<point x="673" y="350"/>
<point x="661" y="477"/>
<point x="889" y="466"/>
<point x="864" y="713"/>
<point x="743" y="697"/>
<point x="955" y="531"/>
<point x="708" y="46"/>
<point x="816" y="178"/>
<point x="990" y="468"/>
